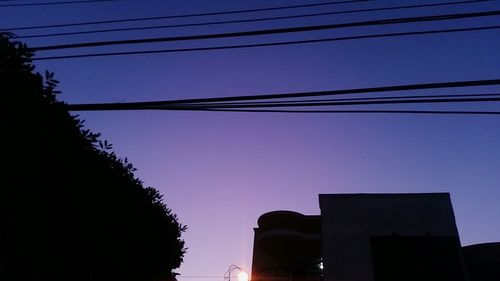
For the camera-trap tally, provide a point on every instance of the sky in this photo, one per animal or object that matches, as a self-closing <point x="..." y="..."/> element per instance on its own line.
<point x="220" y="171"/>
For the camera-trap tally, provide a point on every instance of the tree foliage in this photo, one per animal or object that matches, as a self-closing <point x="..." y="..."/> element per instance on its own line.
<point x="70" y="209"/>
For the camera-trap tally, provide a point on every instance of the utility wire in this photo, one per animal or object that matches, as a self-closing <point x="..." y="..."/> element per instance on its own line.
<point x="343" y="103"/>
<point x="348" y="38"/>
<point x="189" y="15"/>
<point x="54" y="3"/>
<point x="412" y="97"/>
<point x="435" y="112"/>
<point x="200" y="101"/>
<point x="269" y="31"/>
<point x="249" y="20"/>
<point x="377" y="111"/>
<point x="302" y="105"/>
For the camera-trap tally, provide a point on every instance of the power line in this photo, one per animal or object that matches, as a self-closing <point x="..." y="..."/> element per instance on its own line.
<point x="368" y="98"/>
<point x="344" y="103"/>
<point x="249" y="20"/>
<point x="377" y="111"/>
<point x="269" y="31"/>
<point x="207" y="104"/>
<point x="347" y="38"/>
<point x="303" y="104"/>
<point x="355" y="101"/>
<point x="436" y="112"/>
<point x="190" y="15"/>
<point x="54" y="3"/>
<point x="181" y="104"/>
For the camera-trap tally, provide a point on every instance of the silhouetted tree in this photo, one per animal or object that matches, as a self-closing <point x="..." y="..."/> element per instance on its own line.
<point x="70" y="209"/>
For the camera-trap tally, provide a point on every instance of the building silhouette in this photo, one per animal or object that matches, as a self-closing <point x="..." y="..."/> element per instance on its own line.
<point x="370" y="237"/>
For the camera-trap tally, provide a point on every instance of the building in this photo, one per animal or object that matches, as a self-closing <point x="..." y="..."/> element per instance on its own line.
<point x="483" y="261"/>
<point x="287" y="246"/>
<point x="370" y="237"/>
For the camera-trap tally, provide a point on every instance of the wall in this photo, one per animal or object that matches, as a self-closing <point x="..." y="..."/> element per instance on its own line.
<point x="350" y="221"/>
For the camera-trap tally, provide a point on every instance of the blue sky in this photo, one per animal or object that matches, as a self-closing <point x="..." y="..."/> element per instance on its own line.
<point x="220" y="171"/>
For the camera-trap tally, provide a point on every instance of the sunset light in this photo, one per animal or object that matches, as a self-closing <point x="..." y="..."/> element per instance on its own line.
<point x="259" y="140"/>
<point x="243" y="276"/>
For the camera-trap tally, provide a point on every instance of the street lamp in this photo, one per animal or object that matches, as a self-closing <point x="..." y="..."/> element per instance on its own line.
<point x="242" y="274"/>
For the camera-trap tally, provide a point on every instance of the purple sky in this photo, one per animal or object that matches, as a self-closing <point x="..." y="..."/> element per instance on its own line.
<point x="220" y="171"/>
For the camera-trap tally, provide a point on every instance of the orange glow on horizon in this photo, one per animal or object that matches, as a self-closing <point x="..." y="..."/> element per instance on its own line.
<point x="243" y="276"/>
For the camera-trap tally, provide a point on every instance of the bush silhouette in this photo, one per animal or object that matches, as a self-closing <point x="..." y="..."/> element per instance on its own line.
<point x="70" y="209"/>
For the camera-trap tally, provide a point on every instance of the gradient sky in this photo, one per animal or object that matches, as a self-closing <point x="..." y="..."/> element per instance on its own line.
<point x="220" y="171"/>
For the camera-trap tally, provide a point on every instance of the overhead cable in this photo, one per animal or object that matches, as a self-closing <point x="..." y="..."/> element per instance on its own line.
<point x="189" y="15"/>
<point x="353" y="111"/>
<point x="405" y="97"/>
<point x="201" y="101"/>
<point x="357" y="111"/>
<point x="54" y="3"/>
<point x="303" y="104"/>
<point x="339" y="103"/>
<point x="283" y="43"/>
<point x="248" y="20"/>
<point x="269" y="31"/>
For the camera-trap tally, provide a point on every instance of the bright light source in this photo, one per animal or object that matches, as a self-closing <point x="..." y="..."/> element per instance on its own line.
<point x="321" y="265"/>
<point x="242" y="276"/>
